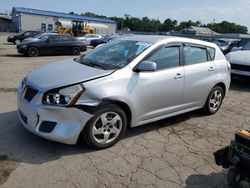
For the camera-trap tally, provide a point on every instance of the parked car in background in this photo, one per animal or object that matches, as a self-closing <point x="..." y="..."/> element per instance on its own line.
<point x="52" y="44"/>
<point x="226" y="45"/>
<point x="38" y="37"/>
<point x="88" y="37"/>
<point x="96" y="42"/>
<point x="17" y="39"/>
<point x="106" y="39"/>
<point x="240" y="62"/>
<point x="244" y="44"/>
<point x="129" y="82"/>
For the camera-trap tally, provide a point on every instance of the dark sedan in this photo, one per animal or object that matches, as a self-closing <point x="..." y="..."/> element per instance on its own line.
<point x="52" y="44"/>
<point x="96" y="42"/>
<point x="17" y="39"/>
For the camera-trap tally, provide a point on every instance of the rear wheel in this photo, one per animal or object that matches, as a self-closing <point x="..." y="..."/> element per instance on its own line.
<point x="33" y="52"/>
<point x="106" y="127"/>
<point x="76" y="50"/>
<point x="214" y="100"/>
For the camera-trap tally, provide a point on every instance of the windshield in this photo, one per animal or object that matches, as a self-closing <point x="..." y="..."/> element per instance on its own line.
<point x="114" y="55"/>
<point x="244" y="43"/>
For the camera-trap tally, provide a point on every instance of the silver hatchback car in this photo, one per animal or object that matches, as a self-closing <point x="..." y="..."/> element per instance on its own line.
<point x="129" y="82"/>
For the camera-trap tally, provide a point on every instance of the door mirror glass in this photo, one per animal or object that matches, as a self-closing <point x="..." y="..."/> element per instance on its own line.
<point x="47" y="40"/>
<point x="146" y="66"/>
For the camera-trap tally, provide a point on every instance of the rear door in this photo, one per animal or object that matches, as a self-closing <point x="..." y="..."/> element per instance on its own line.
<point x="67" y="43"/>
<point x="199" y="74"/>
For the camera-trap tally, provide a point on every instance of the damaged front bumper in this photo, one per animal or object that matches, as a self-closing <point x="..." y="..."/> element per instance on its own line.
<point x="60" y="124"/>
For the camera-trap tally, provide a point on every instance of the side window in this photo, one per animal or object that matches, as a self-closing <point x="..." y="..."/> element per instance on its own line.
<point x="211" y="53"/>
<point x="26" y="33"/>
<point x="247" y="46"/>
<point x="55" y="38"/>
<point x="194" y="55"/>
<point x="166" y="57"/>
<point x="66" y="38"/>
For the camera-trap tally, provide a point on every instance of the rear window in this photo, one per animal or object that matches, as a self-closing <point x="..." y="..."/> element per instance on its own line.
<point x="194" y="55"/>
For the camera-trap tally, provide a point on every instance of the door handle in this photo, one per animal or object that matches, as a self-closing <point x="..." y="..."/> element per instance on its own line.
<point x="178" y="76"/>
<point x="211" y="69"/>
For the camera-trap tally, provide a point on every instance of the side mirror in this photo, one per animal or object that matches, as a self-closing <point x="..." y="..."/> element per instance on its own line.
<point x="145" y="66"/>
<point x="47" y="40"/>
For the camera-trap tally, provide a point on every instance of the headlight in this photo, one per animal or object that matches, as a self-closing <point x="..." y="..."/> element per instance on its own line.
<point x="63" y="97"/>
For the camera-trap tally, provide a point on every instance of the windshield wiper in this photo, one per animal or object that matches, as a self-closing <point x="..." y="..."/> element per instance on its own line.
<point x="97" y="65"/>
<point x="93" y="64"/>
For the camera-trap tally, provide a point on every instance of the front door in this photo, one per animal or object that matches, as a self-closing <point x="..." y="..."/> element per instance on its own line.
<point x="160" y="92"/>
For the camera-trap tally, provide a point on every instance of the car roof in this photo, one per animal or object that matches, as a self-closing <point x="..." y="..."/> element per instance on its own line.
<point x="144" y="38"/>
<point x="157" y="38"/>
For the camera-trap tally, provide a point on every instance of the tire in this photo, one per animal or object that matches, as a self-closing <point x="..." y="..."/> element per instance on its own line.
<point x="233" y="177"/>
<point x="17" y="41"/>
<point x="106" y="127"/>
<point x="76" y="50"/>
<point x="33" y="52"/>
<point x="214" y="100"/>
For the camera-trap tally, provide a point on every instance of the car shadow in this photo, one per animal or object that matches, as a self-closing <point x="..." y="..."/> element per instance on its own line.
<point x="211" y="180"/>
<point x="12" y="55"/>
<point x="20" y="145"/>
<point x="240" y="84"/>
<point x="10" y="43"/>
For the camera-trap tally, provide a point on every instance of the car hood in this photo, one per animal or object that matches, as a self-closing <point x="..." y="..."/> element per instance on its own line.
<point x="240" y="57"/>
<point x="63" y="73"/>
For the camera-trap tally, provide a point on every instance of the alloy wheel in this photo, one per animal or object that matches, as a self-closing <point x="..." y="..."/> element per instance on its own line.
<point x="215" y="100"/>
<point x="107" y="127"/>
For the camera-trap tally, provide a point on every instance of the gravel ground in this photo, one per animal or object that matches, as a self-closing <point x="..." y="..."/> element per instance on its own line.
<point x="175" y="152"/>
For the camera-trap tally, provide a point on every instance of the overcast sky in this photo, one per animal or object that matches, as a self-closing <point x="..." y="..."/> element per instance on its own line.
<point x="237" y="11"/>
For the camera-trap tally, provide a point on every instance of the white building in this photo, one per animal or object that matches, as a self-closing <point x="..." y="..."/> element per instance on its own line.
<point x="25" y="19"/>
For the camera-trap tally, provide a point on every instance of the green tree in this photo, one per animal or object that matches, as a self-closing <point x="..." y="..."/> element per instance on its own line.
<point x="227" y="27"/>
<point x="168" y="25"/>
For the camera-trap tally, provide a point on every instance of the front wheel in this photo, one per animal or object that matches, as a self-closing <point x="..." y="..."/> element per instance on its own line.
<point x="214" y="100"/>
<point x="76" y="50"/>
<point x="106" y="127"/>
<point x="33" y="52"/>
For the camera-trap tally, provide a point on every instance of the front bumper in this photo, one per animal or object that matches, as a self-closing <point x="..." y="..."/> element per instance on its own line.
<point x="21" y="50"/>
<point x="10" y="39"/>
<point x="69" y="122"/>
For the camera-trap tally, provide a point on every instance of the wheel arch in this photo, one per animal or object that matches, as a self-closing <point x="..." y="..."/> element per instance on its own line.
<point x="222" y="85"/>
<point x="124" y="106"/>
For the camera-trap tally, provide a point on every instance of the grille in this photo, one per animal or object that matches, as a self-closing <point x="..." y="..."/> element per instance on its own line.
<point x="30" y="93"/>
<point x="23" y="117"/>
<point x="240" y="67"/>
